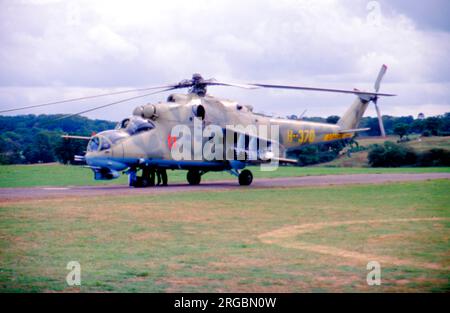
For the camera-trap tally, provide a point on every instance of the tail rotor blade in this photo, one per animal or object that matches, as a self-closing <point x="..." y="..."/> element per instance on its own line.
<point x="375" y="99"/>
<point x="380" y="77"/>
<point x="380" y="120"/>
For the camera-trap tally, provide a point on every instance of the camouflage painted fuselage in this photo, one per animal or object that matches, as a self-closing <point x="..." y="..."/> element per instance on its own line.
<point x="128" y="146"/>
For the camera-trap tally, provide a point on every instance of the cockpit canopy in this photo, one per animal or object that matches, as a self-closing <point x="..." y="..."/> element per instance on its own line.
<point x="126" y="128"/>
<point x="134" y="125"/>
<point x="105" y="140"/>
<point x="98" y="143"/>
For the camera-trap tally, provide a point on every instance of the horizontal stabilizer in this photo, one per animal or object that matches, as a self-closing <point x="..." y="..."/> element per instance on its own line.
<point x="284" y="160"/>
<point x="355" y="130"/>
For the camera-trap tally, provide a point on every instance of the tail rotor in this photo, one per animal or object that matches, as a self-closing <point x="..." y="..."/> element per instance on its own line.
<point x="375" y="99"/>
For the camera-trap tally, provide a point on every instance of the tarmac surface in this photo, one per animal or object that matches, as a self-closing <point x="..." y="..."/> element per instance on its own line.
<point x="283" y="182"/>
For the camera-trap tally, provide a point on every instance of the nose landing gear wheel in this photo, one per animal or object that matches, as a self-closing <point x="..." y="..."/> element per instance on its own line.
<point x="193" y="177"/>
<point x="245" y="178"/>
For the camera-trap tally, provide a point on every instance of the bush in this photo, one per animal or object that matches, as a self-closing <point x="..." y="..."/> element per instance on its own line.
<point x="444" y="133"/>
<point x="426" y="133"/>
<point x="317" y="153"/>
<point x="435" y="157"/>
<point x="357" y="149"/>
<point x="391" y="155"/>
<point x="308" y="156"/>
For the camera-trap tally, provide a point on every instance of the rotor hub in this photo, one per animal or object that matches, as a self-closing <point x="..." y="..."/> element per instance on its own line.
<point x="198" y="85"/>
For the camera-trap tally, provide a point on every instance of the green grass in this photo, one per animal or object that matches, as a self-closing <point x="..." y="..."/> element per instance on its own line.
<point x="363" y="238"/>
<point x="208" y="241"/>
<point x="67" y="175"/>
<point x="426" y="143"/>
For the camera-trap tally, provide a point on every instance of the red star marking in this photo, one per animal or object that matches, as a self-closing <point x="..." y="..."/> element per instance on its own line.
<point x="171" y="141"/>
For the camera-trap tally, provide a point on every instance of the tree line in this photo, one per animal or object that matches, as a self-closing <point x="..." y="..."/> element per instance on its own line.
<point x="26" y="139"/>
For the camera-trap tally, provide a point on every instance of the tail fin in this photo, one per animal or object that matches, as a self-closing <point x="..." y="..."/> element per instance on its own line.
<point x="353" y="115"/>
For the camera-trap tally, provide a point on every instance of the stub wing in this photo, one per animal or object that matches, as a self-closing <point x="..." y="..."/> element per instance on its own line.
<point x="253" y="148"/>
<point x="284" y="160"/>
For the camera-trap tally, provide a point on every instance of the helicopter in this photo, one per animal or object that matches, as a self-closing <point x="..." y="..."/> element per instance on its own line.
<point x="149" y="138"/>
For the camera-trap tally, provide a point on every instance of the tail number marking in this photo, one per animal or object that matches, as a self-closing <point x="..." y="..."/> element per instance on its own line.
<point x="301" y="136"/>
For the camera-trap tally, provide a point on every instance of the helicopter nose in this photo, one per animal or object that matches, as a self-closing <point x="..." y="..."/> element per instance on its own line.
<point x="89" y="158"/>
<point x="104" y="162"/>
<point x="102" y="153"/>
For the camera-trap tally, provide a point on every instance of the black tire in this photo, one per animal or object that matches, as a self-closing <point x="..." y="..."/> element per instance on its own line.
<point x="245" y="178"/>
<point x="137" y="183"/>
<point x="193" y="177"/>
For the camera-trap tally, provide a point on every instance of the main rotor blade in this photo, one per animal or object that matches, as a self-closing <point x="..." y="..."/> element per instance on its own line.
<point x="110" y="104"/>
<point x="87" y="97"/>
<point x="356" y="92"/>
<point x="221" y="83"/>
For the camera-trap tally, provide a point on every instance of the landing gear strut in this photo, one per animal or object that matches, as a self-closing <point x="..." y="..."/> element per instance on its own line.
<point x="193" y="177"/>
<point x="245" y="178"/>
<point x="132" y="179"/>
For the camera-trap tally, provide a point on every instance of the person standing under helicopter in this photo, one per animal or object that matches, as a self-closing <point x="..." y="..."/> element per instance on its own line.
<point x="161" y="175"/>
<point x="147" y="179"/>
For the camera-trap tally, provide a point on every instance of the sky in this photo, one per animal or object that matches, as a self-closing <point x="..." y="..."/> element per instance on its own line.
<point x="52" y="50"/>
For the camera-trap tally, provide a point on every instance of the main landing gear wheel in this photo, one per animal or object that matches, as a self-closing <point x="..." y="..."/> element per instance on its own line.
<point x="193" y="177"/>
<point x="245" y="178"/>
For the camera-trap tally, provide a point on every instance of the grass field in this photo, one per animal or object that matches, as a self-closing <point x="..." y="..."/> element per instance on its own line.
<point x="299" y="239"/>
<point x="66" y="175"/>
<point x="271" y="240"/>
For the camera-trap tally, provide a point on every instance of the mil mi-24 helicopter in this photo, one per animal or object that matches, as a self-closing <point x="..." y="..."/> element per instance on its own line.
<point x="156" y="135"/>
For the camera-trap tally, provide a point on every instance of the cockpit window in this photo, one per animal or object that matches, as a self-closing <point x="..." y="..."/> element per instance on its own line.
<point x="123" y="124"/>
<point x="115" y="136"/>
<point x="94" y="144"/>
<point x="137" y="125"/>
<point x="104" y="144"/>
<point x="134" y="125"/>
<point x="99" y="143"/>
<point x="144" y="126"/>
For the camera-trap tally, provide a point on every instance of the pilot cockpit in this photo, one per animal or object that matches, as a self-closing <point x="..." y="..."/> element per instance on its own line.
<point x="105" y="140"/>
<point x="99" y="143"/>
<point x="135" y="125"/>
<point x="127" y="127"/>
